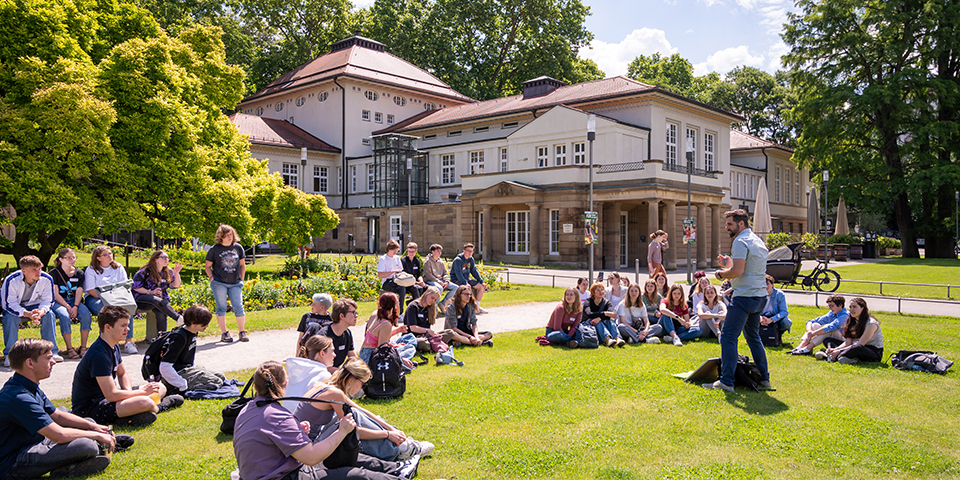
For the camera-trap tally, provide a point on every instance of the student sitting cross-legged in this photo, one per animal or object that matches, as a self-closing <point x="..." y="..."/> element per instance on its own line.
<point x="563" y="323"/>
<point x="35" y="437"/>
<point x="462" y="319"/>
<point x="775" y="311"/>
<point x="675" y="318"/>
<point x="103" y="389"/>
<point x="826" y="329"/>
<point x="862" y="338"/>
<point x="632" y="319"/>
<point x="601" y="315"/>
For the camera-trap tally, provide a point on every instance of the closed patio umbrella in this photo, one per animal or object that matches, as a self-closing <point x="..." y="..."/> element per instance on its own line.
<point x="813" y="212"/>
<point x="843" y="228"/>
<point x="761" y="217"/>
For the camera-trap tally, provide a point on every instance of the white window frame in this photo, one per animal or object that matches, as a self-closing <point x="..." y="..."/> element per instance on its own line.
<point x="796" y="185"/>
<point x="670" y="157"/>
<point x="371" y="170"/>
<point x="580" y="153"/>
<point x="709" y="152"/>
<point x="692" y="134"/>
<point x="377" y="117"/>
<point x="339" y="180"/>
<point x="390" y="119"/>
<point x="321" y="179"/>
<point x="739" y="192"/>
<point x="787" y="185"/>
<point x="448" y="169"/>
<point x="554" y="232"/>
<point x="365" y="115"/>
<point x="476" y="162"/>
<point x="776" y="197"/>
<point x="518" y="232"/>
<point x="353" y="179"/>
<point x="396" y="226"/>
<point x="290" y="174"/>
<point x="560" y="154"/>
<point x="543" y="156"/>
<point x="504" y="159"/>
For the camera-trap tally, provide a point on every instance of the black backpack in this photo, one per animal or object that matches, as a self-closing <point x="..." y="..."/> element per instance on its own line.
<point x="151" y="358"/>
<point x="921" y="360"/>
<point x="770" y="335"/>
<point x="388" y="380"/>
<point x="747" y="374"/>
<point x="313" y="328"/>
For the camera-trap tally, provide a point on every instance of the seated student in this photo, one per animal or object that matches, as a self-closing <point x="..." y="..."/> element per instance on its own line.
<point x="420" y="317"/>
<point x="435" y="274"/>
<point x="35" y="437"/>
<point x="562" y="325"/>
<point x="862" y="338"/>
<point x="28" y="294"/>
<point x="176" y="365"/>
<point x="412" y="265"/>
<point x="615" y="289"/>
<point x="344" y="313"/>
<point x="826" y="329"/>
<point x="726" y="292"/>
<point x="651" y="301"/>
<point x="583" y="288"/>
<point x="461" y="317"/>
<point x="632" y="319"/>
<point x="68" y="301"/>
<point x="317" y="318"/>
<point x="104" y="270"/>
<point x="270" y="443"/>
<point x="675" y="318"/>
<point x="711" y="312"/>
<point x="775" y="310"/>
<point x="377" y="437"/>
<point x="599" y="312"/>
<point x="381" y="326"/>
<point x="463" y="271"/>
<point x="308" y="368"/>
<point x="663" y="284"/>
<point x="700" y="281"/>
<point x="387" y="267"/>
<point x="150" y="285"/>
<point x="103" y="389"/>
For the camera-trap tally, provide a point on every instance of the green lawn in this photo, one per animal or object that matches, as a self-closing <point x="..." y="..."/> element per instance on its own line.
<point x="524" y="411"/>
<point x="934" y="271"/>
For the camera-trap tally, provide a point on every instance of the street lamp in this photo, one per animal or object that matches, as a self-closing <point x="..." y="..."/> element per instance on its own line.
<point x="409" y="199"/>
<point x="826" y="228"/>
<point x="808" y="207"/>
<point x="303" y="170"/>
<point x="591" y="136"/>
<point x="956" y="222"/>
<point x="689" y="170"/>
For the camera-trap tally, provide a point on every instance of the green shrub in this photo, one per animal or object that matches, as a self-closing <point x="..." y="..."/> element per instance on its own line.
<point x="776" y="240"/>
<point x="886" y="242"/>
<point x="846" y="239"/>
<point x="811" y="240"/>
<point x="186" y="255"/>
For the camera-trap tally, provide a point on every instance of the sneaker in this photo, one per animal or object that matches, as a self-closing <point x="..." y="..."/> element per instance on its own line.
<point x="130" y="347"/>
<point x="123" y="442"/>
<point x="848" y="360"/>
<point x="610" y="341"/>
<point x="801" y="351"/>
<point x="6" y="362"/>
<point x="620" y="342"/>
<point x="765" y="385"/>
<point x="169" y="402"/>
<point x="677" y="342"/>
<point x="718" y="385"/>
<point x="138" y="420"/>
<point x="653" y="340"/>
<point x="482" y="311"/>
<point x="244" y="337"/>
<point x="487" y="343"/>
<point x="408" y="449"/>
<point x="426" y="448"/>
<point x="90" y="466"/>
<point x="821" y="355"/>
<point x="408" y="468"/>
<point x="57" y="358"/>
<point x="573" y="344"/>
<point x="436" y="358"/>
<point x="226" y="338"/>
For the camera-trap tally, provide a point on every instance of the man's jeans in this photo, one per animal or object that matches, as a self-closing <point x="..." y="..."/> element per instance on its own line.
<point x="11" y="329"/>
<point x="743" y="315"/>
<point x="451" y="288"/>
<point x="48" y="455"/>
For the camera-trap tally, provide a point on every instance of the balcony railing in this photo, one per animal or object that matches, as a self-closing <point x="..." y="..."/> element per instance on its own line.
<point x="693" y="171"/>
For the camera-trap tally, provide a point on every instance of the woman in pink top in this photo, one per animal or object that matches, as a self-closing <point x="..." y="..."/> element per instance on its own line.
<point x="563" y="323"/>
<point x="382" y="325"/>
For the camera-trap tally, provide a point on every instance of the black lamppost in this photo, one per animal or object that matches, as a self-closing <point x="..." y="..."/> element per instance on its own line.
<point x="409" y="200"/>
<point x="689" y="170"/>
<point x="591" y="136"/>
<point x="826" y="228"/>
<point x="303" y="169"/>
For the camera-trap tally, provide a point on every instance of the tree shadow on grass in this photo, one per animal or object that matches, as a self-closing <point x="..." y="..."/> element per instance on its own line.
<point x="756" y="403"/>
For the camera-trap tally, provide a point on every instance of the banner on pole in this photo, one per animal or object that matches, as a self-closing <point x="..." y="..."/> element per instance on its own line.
<point x="689" y="231"/>
<point x="590" y="231"/>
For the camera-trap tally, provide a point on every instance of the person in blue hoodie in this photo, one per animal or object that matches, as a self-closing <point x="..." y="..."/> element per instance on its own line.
<point x="464" y="271"/>
<point x="776" y="309"/>
<point x="826" y="329"/>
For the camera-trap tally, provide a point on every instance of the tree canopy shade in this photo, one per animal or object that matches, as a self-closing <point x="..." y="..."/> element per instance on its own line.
<point x="106" y="123"/>
<point x="878" y="98"/>
<point x="763" y="99"/>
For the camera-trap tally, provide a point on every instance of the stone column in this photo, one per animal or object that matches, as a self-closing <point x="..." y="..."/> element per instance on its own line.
<point x="487" y="233"/>
<point x="715" y="231"/>
<point x="701" y="235"/>
<point x="611" y="236"/>
<point x="675" y="238"/>
<point x="535" y="241"/>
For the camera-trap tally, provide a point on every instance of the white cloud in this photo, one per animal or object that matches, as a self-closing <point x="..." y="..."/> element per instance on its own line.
<point x="358" y="4"/>
<point x="727" y="59"/>
<point x="774" y="53"/>
<point x="613" y="58"/>
<point x="711" y="3"/>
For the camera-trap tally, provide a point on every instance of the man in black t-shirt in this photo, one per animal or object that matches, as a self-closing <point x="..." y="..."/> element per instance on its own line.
<point x="344" y="314"/>
<point x="318" y="315"/>
<point x="181" y="348"/>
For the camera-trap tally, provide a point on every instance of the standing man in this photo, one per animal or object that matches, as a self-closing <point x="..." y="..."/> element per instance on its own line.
<point x="746" y="269"/>
<point x="464" y="267"/>
<point x="28" y="294"/>
<point x="35" y="437"/>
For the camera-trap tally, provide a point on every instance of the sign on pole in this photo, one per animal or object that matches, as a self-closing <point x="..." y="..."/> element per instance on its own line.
<point x="590" y="233"/>
<point x="689" y="231"/>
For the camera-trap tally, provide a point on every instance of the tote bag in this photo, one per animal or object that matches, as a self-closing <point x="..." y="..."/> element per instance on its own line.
<point x="119" y="294"/>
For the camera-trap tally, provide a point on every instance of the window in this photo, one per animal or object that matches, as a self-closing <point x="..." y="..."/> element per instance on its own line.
<point x="429" y="137"/>
<point x="787" y="184"/>
<point x="400" y="101"/>
<point x="289" y="173"/>
<point x="371" y="95"/>
<point x="390" y="119"/>
<point x="370" y="170"/>
<point x="365" y="115"/>
<point x="322" y="97"/>
<point x="259" y="111"/>
<point x="543" y="156"/>
<point x="692" y="135"/>
<point x="623" y="239"/>
<point x="395" y="227"/>
<point x="448" y="170"/>
<point x="339" y="180"/>
<point x="300" y="101"/>
<point x="709" y="142"/>
<point x="320" y="179"/>
<point x="579" y="153"/>
<point x="510" y="125"/>
<point x="476" y="162"/>
<point x="365" y="141"/>
<point x="796" y="187"/>
<point x="455" y="133"/>
<point x="776" y="196"/>
<point x="671" y="144"/>
<point x="429" y="106"/>
<point x="739" y="192"/>
<point x="518" y="231"/>
<point x="279" y="106"/>
<point x="378" y="117"/>
<point x="503" y="159"/>
<point x="554" y="232"/>
<point x="480" y="129"/>
<point x="353" y="179"/>
<point x="560" y="155"/>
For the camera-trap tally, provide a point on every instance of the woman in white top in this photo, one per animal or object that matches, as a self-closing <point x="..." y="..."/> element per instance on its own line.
<point x="700" y="282"/>
<point x="632" y="320"/>
<point x="104" y="270"/>
<point x="711" y="311"/>
<point x="389" y="265"/>
<point x="616" y="291"/>
<point x="862" y="337"/>
<point x="583" y="287"/>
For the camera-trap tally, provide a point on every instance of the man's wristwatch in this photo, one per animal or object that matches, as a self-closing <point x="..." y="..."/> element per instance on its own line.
<point x="717" y="274"/>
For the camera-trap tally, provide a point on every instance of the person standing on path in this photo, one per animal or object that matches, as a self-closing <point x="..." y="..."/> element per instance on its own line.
<point x="225" y="267"/>
<point x="746" y="269"/>
<point x="658" y="243"/>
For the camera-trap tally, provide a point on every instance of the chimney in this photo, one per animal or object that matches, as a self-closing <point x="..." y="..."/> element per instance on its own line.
<point x="540" y="86"/>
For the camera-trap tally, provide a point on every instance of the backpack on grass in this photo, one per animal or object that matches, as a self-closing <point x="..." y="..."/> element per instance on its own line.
<point x="151" y="358"/>
<point x="920" y="360"/>
<point x="770" y="335"/>
<point x="589" y="334"/>
<point x="388" y="380"/>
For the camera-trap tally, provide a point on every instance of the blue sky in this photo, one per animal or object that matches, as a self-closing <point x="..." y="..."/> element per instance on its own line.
<point x="715" y="35"/>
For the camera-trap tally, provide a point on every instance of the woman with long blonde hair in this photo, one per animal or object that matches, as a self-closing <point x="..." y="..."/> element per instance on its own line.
<point x="632" y="319"/>
<point x="562" y="327"/>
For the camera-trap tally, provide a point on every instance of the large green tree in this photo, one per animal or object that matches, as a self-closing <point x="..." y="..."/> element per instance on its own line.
<point x="877" y="109"/>
<point x="673" y="73"/>
<point x="761" y="98"/>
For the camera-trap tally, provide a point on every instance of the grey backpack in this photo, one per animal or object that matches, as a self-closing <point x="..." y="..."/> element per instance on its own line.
<point x="589" y="334"/>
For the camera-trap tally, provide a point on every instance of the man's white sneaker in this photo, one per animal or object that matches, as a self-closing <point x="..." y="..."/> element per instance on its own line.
<point x="57" y="358"/>
<point x="130" y="347"/>
<point x="677" y="342"/>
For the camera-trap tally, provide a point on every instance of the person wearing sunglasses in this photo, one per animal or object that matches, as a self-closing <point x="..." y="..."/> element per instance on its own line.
<point x="150" y="285"/>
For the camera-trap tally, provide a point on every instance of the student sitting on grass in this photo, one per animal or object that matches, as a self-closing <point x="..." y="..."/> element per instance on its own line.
<point x="35" y="437"/>
<point x="651" y="300"/>
<point x="310" y="367"/>
<point x="826" y="329"/>
<point x="462" y="319"/>
<point x="775" y="310"/>
<point x="675" y="318"/>
<point x="344" y="314"/>
<point x="377" y="437"/>
<point x="562" y="325"/>
<point x="270" y="443"/>
<point x="632" y="319"/>
<point x="601" y="315"/>
<point x="381" y="326"/>
<point x="583" y="289"/>
<point x="102" y="387"/>
<point x="711" y="312"/>
<point x="177" y="370"/>
<point x="615" y="290"/>
<point x="663" y="284"/>
<point x="862" y="338"/>
<point x="317" y="318"/>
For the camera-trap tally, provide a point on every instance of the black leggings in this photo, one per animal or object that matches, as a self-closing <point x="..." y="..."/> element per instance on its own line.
<point x="413" y="290"/>
<point x="865" y="353"/>
<point x="161" y="308"/>
<point x="368" y="468"/>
